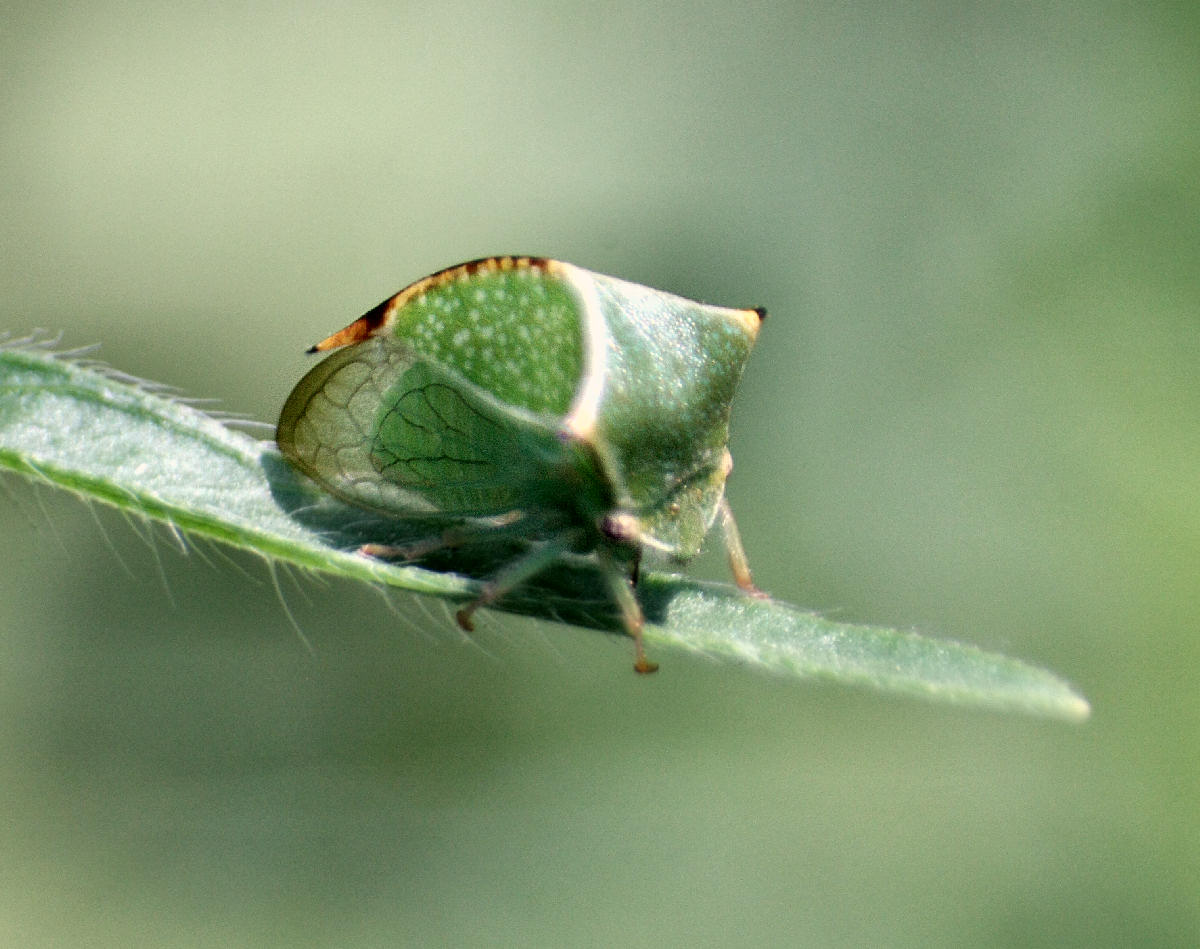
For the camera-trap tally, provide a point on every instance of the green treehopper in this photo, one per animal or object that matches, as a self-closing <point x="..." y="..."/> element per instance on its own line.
<point x="521" y="398"/>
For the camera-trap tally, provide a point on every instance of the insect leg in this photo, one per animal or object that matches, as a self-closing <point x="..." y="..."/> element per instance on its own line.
<point x="483" y="529"/>
<point x="632" y="617"/>
<point x="513" y="575"/>
<point x="738" y="562"/>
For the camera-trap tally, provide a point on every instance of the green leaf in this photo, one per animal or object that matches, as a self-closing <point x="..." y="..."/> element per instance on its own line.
<point x="113" y="439"/>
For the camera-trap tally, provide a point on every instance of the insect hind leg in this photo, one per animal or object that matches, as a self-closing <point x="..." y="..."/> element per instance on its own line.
<point x="517" y="572"/>
<point x="509" y="524"/>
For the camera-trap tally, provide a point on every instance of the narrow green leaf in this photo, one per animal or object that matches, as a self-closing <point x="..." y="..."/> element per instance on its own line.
<point x="113" y="439"/>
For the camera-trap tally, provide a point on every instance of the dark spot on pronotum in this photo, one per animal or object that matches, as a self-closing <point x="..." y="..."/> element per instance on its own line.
<point x="374" y="317"/>
<point x="761" y="311"/>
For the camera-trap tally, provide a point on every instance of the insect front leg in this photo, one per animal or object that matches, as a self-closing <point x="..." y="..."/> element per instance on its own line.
<point x="738" y="562"/>
<point x="620" y="585"/>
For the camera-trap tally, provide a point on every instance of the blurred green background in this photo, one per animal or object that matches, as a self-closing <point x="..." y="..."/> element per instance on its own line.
<point x="974" y="411"/>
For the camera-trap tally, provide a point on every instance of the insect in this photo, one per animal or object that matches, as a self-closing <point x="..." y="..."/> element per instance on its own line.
<point x="523" y="398"/>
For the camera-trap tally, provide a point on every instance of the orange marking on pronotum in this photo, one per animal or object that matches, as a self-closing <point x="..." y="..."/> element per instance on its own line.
<point x="376" y="319"/>
<point x="360" y="329"/>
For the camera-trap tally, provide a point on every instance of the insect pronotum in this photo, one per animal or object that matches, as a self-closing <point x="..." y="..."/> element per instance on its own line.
<point x="526" y="398"/>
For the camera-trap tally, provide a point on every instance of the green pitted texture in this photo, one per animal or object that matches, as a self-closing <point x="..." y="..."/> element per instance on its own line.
<point x="515" y="333"/>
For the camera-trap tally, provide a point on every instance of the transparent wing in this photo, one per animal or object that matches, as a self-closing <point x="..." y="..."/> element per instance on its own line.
<point x="385" y="429"/>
